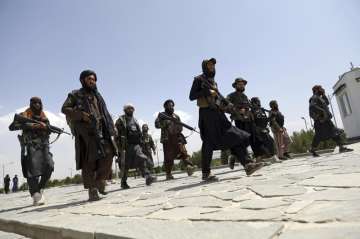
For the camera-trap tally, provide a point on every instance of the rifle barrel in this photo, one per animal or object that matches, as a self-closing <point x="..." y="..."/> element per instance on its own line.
<point x="178" y="122"/>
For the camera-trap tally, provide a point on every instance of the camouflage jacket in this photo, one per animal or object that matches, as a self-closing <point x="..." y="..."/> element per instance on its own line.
<point x="240" y="101"/>
<point x="167" y="127"/>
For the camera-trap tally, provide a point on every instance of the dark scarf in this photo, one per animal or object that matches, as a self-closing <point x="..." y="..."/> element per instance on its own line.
<point x="206" y="70"/>
<point x="109" y="123"/>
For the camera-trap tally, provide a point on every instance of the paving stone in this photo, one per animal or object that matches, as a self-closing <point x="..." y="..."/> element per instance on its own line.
<point x="334" y="180"/>
<point x="190" y="230"/>
<point x="331" y="231"/>
<point x="262" y="203"/>
<point x="181" y="213"/>
<point x="274" y="203"/>
<point x="277" y="191"/>
<point x="295" y="207"/>
<point x="320" y="212"/>
<point x="203" y="201"/>
<point x="331" y="194"/>
<point x="239" y="214"/>
<point x="150" y="202"/>
<point x="120" y="211"/>
<point x="229" y="195"/>
<point x="248" y="195"/>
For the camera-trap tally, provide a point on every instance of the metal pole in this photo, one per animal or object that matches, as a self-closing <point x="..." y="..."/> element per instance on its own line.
<point x="3" y="174"/>
<point x="332" y="110"/>
<point x="305" y="123"/>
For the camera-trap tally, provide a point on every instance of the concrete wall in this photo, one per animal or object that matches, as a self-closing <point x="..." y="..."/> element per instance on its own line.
<point x="351" y="121"/>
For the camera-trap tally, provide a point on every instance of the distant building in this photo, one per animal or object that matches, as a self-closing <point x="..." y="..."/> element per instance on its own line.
<point x="347" y="91"/>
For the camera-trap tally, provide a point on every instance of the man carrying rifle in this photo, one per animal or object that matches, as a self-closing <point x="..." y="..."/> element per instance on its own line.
<point x="264" y="146"/>
<point x="129" y="142"/>
<point x="324" y="127"/>
<point x="36" y="160"/>
<point x="93" y="128"/>
<point x="242" y="114"/>
<point x="216" y="130"/>
<point x="148" y="145"/>
<point x="172" y="139"/>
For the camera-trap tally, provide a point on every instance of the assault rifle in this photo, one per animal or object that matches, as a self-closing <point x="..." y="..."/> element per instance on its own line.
<point x="233" y="110"/>
<point x="53" y="129"/>
<point x="166" y="117"/>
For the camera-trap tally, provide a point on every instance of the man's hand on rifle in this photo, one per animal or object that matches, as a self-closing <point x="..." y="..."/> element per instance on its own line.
<point x="40" y="125"/>
<point x="85" y="117"/>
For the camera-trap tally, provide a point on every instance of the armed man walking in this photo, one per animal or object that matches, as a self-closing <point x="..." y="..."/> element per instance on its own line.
<point x="148" y="145"/>
<point x="216" y="130"/>
<point x="264" y="146"/>
<point x="172" y="139"/>
<point x="241" y="114"/>
<point x="129" y="143"/>
<point x="324" y="127"/>
<point x="93" y="128"/>
<point x="36" y="159"/>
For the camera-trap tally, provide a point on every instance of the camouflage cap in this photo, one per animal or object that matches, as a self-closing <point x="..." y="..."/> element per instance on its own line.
<point x="272" y="103"/>
<point x="239" y="79"/>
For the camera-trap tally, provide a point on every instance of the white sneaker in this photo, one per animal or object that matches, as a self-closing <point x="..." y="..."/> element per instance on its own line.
<point x="275" y="159"/>
<point x="38" y="199"/>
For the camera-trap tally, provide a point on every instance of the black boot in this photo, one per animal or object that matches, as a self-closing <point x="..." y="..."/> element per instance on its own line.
<point x="124" y="185"/>
<point x="251" y="168"/>
<point x="209" y="178"/>
<point x="344" y="149"/>
<point x="169" y="176"/>
<point x="149" y="180"/>
<point x="287" y="155"/>
<point x="232" y="162"/>
<point x="314" y="154"/>
<point x="93" y="195"/>
<point x="101" y="187"/>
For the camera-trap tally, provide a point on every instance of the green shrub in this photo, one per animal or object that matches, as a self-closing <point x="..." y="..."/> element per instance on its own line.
<point x="196" y="158"/>
<point x="301" y="142"/>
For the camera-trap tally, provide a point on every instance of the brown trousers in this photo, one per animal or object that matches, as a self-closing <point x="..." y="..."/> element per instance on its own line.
<point x="282" y="141"/>
<point x="95" y="172"/>
<point x="174" y="150"/>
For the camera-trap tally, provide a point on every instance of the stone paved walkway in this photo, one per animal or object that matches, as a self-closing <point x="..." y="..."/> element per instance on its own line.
<point x="299" y="198"/>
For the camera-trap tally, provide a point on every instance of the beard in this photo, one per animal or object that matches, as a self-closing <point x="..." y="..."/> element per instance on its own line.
<point x="169" y="111"/>
<point x="88" y="88"/>
<point x="209" y="73"/>
<point x="35" y="110"/>
<point x="129" y="114"/>
<point x="240" y="89"/>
